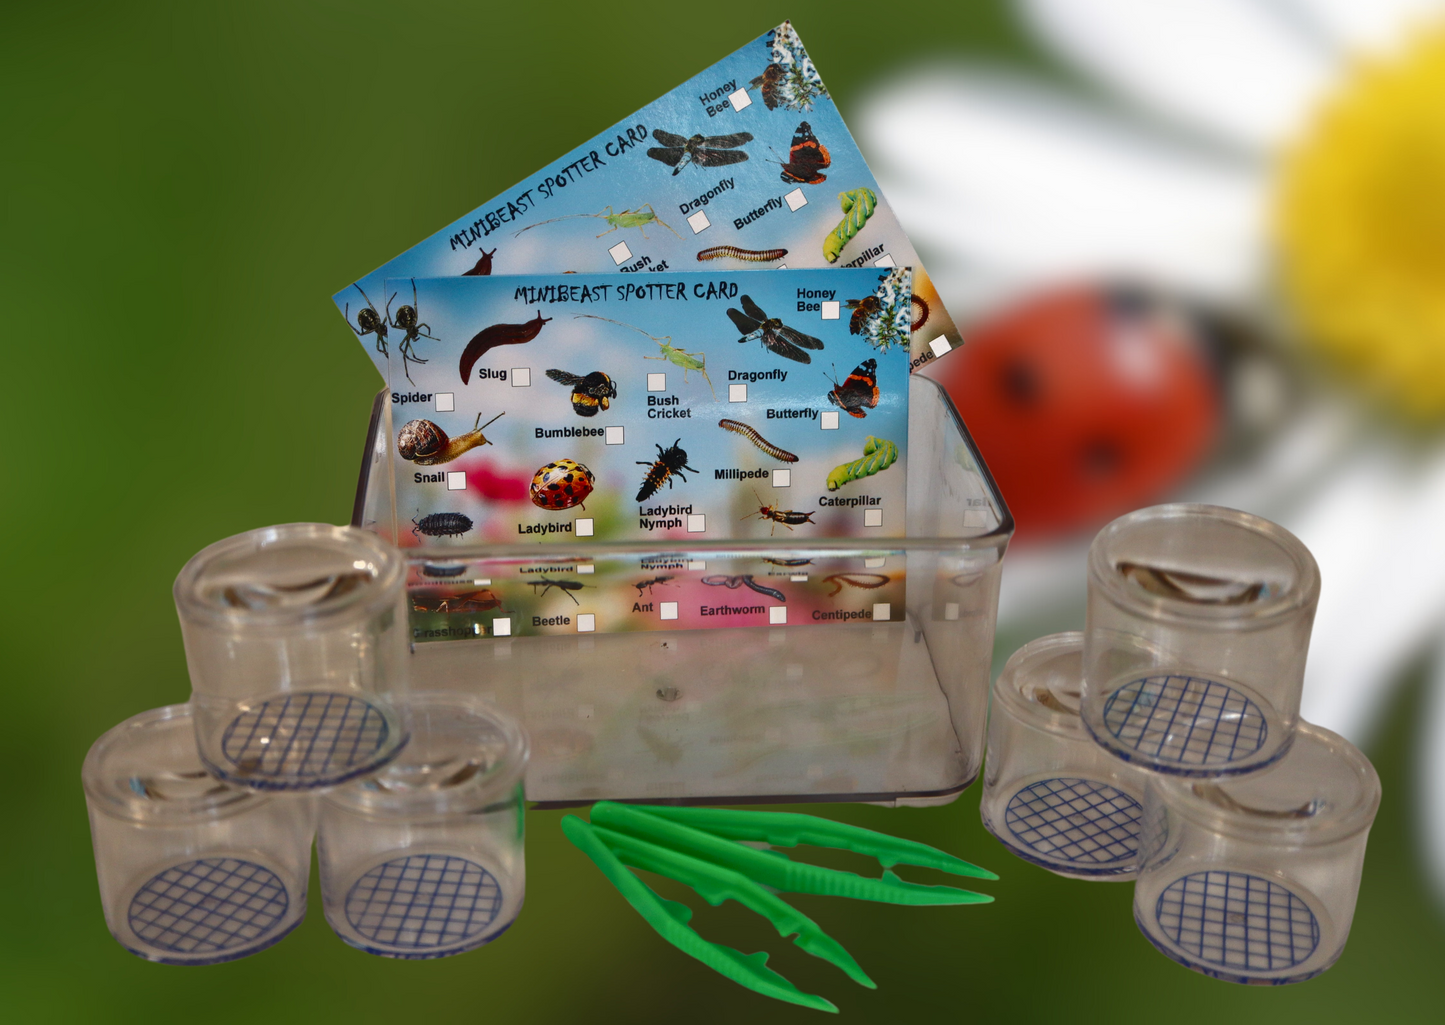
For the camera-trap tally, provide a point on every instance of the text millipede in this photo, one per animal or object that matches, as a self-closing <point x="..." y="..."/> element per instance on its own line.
<point x="757" y="439"/>
<point x="751" y="255"/>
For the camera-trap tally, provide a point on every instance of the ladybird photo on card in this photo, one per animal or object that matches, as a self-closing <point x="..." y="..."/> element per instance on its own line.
<point x="666" y="407"/>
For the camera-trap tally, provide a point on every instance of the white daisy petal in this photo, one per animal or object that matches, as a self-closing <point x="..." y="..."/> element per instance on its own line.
<point x="1237" y="69"/>
<point x="1376" y="533"/>
<point x="1007" y="182"/>
<point x="1364" y="25"/>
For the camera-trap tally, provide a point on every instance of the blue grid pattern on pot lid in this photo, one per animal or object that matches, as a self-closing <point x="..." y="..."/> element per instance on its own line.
<point x="208" y="906"/>
<point x="309" y="738"/>
<point x="423" y="902"/>
<point x="1075" y="821"/>
<point x="1187" y="721"/>
<point x="1237" y="921"/>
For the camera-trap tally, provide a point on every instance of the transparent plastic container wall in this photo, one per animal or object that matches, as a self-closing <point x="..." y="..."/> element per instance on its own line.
<point x="891" y="712"/>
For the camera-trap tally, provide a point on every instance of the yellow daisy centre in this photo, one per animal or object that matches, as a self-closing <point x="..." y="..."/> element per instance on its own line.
<point x="1361" y="228"/>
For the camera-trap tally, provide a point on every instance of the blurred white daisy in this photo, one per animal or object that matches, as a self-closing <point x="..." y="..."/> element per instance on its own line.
<point x="1270" y="155"/>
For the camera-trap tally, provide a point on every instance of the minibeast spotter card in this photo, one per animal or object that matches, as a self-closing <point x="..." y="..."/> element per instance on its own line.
<point x="653" y="407"/>
<point x="746" y="166"/>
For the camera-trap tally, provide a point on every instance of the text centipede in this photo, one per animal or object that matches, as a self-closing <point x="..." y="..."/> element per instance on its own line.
<point x="751" y="255"/>
<point x="782" y="455"/>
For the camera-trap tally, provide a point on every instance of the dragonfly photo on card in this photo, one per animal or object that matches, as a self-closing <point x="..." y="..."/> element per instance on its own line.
<point x="773" y="333"/>
<point x="701" y="150"/>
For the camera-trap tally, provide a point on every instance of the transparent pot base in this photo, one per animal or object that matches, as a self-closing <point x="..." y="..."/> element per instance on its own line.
<point x="304" y="740"/>
<point x="1239" y="926"/>
<point x="1072" y="826"/>
<point x="417" y="905"/>
<point x="208" y="910"/>
<point x="1187" y="724"/>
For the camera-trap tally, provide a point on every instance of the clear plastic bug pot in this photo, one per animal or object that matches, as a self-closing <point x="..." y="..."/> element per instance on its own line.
<point x="1050" y="794"/>
<point x="296" y="641"/>
<point x="859" y="671"/>
<point x="425" y="858"/>
<point x="1254" y="879"/>
<point x="1197" y="629"/>
<point x="192" y="871"/>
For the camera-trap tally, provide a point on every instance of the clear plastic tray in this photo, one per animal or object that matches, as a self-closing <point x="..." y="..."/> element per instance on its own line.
<point x="889" y="712"/>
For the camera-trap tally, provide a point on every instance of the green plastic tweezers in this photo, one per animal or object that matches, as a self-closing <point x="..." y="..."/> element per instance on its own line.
<point x="670" y="920"/>
<point x="773" y="868"/>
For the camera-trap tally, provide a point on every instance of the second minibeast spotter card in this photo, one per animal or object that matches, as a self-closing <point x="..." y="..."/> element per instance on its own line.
<point x="746" y="166"/>
<point x="659" y="406"/>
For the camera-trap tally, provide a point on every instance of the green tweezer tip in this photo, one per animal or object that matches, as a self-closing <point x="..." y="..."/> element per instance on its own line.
<point x="716" y="884"/>
<point x="669" y="919"/>
<point x="788" y="829"/>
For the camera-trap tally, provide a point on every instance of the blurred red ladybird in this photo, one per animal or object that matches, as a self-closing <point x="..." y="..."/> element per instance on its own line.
<point x="1085" y="403"/>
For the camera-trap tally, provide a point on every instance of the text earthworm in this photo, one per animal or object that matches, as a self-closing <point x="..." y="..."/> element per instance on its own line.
<point x="751" y="255"/>
<point x="868" y="580"/>
<point x="782" y="455"/>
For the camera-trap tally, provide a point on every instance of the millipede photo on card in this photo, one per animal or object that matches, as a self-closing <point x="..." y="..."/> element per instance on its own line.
<point x="750" y="255"/>
<point x="780" y="454"/>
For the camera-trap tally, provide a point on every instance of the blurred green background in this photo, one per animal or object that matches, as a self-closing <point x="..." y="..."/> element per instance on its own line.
<point x="184" y="187"/>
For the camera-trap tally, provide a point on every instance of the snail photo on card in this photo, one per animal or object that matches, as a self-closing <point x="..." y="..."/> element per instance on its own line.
<point x="658" y="407"/>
